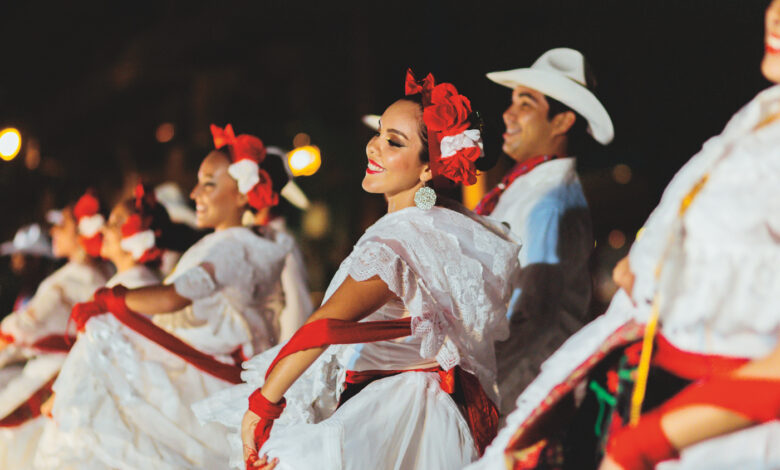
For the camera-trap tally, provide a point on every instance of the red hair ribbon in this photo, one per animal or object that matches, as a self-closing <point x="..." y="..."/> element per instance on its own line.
<point x="241" y="147"/>
<point x="424" y="86"/>
<point x="143" y="248"/>
<point x="87" y="205"/>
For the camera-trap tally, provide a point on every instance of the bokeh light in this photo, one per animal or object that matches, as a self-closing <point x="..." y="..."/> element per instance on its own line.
<point x="616" y="239"/>
<point x="474" y="193"/>
<point x="301" y="139"/>
<point x="371" y="121"/>
<point x="622" y="173"/>
<point x="304" y="161"/>
<point x="32" y="154"/>
<point x="316" y="221"/>
<point x="10" y="143"/>
<point x="165" y="132"/>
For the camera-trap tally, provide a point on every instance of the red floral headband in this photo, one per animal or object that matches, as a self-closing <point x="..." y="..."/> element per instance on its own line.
<point x="89" y="222"/>
<point x="452" y="146"/>
<point x="138" y="238"/>
<point x="247" y="153"/>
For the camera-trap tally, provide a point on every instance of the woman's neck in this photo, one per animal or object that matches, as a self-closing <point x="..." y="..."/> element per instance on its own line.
<point x="230" y="222"/>
<point x="123" y="263"/>
<point x="402" y="199"/>
<point x="79" y="256"/>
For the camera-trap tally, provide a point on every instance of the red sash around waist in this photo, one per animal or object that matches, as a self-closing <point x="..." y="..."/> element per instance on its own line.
<point x="480" y="412"/>
<point x="55" y="343"/>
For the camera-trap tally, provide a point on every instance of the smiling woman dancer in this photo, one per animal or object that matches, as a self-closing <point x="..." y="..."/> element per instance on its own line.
<point x="37" y="331"/>
<point x="704" y="392"/>
<point x="124" y="393"/>
<point x="415" y="389"/>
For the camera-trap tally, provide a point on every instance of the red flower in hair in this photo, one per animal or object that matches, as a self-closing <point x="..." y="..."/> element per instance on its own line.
<point x="132" y="225"/>
<point x="262" y="194"/>
<point x="449" y="112"/>
<point x="87" y="205"/>
<point x="252" y="180"/>
<point x="460" y="167"/>
<point x="89" y="222"/>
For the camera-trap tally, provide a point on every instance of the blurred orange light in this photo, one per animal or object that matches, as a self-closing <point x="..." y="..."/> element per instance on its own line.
<point x="304" y="161"/>
<point x="301" y="139"/>
<point x="616" y="239"/>
<point x="473" y="194"/>
<point x="622" y="173"/>
<point x="165" y="132"/>
<point x="10" y="143"/>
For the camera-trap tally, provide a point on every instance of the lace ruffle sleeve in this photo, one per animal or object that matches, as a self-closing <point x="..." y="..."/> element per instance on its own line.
<point x="225" y="264"/>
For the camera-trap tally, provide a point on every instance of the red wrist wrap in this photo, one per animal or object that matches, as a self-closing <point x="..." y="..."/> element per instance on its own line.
<point x="112" y="299"/>
<point x="268" y="412"/>
<point x="82" y="312"/>
<point x="642" y="446"/>
<point x="645" y="445"/>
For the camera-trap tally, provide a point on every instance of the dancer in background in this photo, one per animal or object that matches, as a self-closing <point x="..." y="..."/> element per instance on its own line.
<point x="37" y="331"/>
<point x="223" y="296"/>
<point x="30" y="260"/>
<point x="416" y="388"/>
<point x="553" y="109"/>
<point x="704" y="392"/>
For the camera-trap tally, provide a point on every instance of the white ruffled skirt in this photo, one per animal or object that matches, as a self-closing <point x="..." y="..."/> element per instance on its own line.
<point x="17" y="384"/>
<point x="402" y="422"/>
<point x="124" y="402"/>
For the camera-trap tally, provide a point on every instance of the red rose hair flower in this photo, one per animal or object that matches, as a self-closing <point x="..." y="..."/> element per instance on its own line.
<point x="453" y="147"/>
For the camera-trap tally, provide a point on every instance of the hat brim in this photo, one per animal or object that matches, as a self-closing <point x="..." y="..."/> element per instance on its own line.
<point x="8" y="248"/>
<point x="565" y="90"/>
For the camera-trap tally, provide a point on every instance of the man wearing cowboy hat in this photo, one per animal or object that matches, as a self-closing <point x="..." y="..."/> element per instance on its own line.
<point x="542" y="200"/>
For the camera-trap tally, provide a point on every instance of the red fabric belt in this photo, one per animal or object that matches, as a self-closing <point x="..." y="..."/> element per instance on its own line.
<point x="480" y="412"/>
<point x="29" y="409"/>
<point x="146" y="328"/>
<point x="692" y="366"/>
<point x="55" y="343"/>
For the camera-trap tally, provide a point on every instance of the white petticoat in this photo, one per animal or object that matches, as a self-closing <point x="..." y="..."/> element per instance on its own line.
<point x="401" y="422"/>
<point x="124" y="402"/>
<point x="18" y="443"/>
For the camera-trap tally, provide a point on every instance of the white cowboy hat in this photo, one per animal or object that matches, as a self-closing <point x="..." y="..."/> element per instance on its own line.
<point x="29" y="240"/>
<point x="560" y="74"/>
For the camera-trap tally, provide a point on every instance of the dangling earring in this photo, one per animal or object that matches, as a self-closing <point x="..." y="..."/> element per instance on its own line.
<point x="425" y="198"/>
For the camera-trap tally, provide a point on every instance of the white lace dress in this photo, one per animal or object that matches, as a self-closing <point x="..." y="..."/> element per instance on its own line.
<point x="719" y="286"/>
<point x="123" y="401"/>
<point x="49" y="310"/>
<point x="453" y="276"/>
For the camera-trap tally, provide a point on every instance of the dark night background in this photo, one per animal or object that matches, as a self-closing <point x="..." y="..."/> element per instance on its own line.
<point x="90" y="82"/>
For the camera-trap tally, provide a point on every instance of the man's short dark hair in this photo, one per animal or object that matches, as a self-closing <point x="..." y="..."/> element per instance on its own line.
<point x="578" y="138"/>
<point x="579" y="141"/>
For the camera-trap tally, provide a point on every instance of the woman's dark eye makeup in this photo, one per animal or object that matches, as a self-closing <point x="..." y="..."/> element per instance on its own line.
<point x="394" y="143"/>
